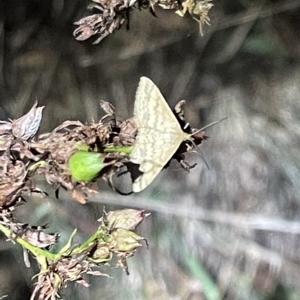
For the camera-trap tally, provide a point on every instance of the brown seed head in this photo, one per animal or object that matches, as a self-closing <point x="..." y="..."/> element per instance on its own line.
<point x="27" y="126"/>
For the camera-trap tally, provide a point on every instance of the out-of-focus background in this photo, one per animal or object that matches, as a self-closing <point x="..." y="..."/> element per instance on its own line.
<point x="228" y="232"/>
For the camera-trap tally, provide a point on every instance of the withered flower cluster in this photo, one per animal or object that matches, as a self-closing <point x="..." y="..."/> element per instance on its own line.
<point x="13" y="139"/>
<point x="36" y="236"/>
<point x="22" y="154"/>
<point x="113" y="238"/>
<point x="112" y="14"/>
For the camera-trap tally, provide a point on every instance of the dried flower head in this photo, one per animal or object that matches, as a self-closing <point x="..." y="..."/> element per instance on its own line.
<point x="198" y="10"/>
<point x="27" y="126"/>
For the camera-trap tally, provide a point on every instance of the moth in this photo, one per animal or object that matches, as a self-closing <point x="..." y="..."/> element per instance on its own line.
<point x="159" y="133"/>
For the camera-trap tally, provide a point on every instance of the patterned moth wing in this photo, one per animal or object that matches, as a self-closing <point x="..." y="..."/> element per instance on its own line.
<point x="159" y="133"/>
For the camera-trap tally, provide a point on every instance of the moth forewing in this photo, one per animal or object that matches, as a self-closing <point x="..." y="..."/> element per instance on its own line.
<point x="143" y="181"/>
<point x="152" y="168"/>
<point x="151" y="108"/>
<point x="159" y="133"/>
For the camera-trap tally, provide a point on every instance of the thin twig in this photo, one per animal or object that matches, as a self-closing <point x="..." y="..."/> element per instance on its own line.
<point x="253" y="221"/>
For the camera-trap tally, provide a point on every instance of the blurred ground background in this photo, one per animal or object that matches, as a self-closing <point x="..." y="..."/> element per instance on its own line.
<point x="231" y="232"/>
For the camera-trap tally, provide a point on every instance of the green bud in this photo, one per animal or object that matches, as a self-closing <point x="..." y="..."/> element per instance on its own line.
<point x="85" y="166"/>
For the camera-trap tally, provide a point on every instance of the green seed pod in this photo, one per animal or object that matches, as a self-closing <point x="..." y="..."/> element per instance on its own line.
<point x="126" y="240"/>
<point x="85" y="166"/>
<point x="101" y="254"/>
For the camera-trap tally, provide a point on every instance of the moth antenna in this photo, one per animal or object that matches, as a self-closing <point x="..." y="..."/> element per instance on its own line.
<point x="198" y="149"/>
<point x="209" y="125"/>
